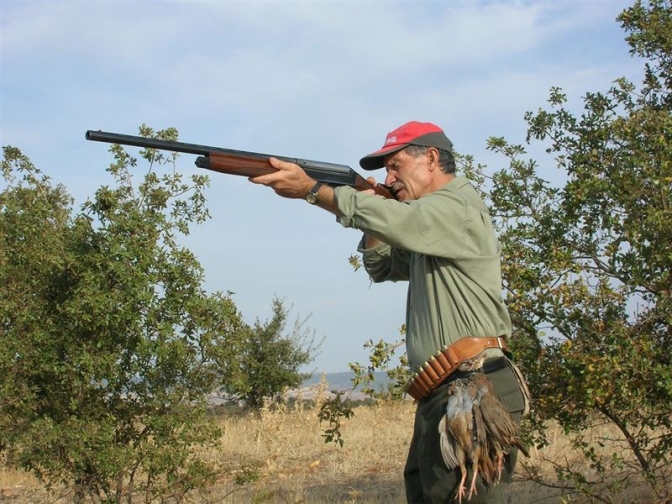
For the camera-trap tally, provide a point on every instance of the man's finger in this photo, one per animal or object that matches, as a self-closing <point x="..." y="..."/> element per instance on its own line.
<point x="274" y="176"/>
<point x="281" y="165"/>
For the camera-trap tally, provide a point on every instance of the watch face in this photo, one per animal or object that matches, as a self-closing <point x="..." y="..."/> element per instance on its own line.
<point x="311" y="197"/>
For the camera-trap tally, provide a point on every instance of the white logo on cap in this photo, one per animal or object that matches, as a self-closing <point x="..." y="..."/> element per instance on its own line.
<point x="390" y="140"/>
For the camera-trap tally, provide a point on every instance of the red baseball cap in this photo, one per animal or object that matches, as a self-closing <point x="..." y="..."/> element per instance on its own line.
<point x="411" y="133"/>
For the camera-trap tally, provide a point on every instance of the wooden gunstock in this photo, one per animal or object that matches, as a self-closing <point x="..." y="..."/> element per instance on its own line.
<point x="361" y="184"/>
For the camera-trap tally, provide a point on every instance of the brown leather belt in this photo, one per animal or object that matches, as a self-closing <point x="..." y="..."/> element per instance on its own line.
<point x="441" y="365"/>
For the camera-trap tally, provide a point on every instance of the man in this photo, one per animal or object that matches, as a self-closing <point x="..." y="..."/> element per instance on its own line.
<point x="438" y="236"/>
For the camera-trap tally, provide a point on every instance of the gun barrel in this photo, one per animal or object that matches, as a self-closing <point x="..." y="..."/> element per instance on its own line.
<point x="328" y="172"/>
<point x="149" y="143"/>
<point x="206" y="150"/>
<point x="237" y="162"/>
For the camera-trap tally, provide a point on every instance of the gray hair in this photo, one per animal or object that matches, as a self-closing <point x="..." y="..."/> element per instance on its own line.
<point x="446" y="159"/>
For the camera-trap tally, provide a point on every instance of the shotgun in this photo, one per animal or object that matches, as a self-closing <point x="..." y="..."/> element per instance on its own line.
<point x="248" y="164"/>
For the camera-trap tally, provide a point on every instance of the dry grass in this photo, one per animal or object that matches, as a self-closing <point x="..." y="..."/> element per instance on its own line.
<point x="285" y="448"/>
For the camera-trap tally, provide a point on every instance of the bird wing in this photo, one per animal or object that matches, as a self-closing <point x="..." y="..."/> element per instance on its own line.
<point x="486" y="452"/>
<point x="450" y="450"/>
<point x="501" y="428"/>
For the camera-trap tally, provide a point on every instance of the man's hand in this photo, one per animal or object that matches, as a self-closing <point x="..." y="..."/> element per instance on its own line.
<point x="289" y="181"/>
<point x="373" y="182"/>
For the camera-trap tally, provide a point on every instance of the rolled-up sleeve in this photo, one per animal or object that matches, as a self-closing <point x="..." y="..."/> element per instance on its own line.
<point x="384" y="263"/>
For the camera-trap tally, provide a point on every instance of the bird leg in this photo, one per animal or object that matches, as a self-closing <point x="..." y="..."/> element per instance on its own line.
<point x="500" y="460"/>
<point x="472" y="488"/>
<point x="462" y="490"/>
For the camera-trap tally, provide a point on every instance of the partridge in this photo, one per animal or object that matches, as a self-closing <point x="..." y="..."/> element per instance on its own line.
<point x="477" y="430"/>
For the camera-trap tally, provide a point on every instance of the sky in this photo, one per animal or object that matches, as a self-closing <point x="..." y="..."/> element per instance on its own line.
<point x="321" y="80"/>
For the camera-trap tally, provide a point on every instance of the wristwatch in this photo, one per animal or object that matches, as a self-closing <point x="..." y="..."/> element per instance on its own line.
<point x="311" y="197"/>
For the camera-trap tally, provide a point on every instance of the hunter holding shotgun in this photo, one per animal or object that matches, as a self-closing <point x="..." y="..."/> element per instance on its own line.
<point x="429" y="226"/>
<point x="438" y="235"/>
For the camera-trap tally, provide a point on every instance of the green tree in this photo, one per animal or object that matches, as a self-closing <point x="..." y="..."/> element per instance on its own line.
<point x="381" y="359"/>
<point x="587" y="264"/>
<point x="108" y="342"/>
<point x="268" y="362"/>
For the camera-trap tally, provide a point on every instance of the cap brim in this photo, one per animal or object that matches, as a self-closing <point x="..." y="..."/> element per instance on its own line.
<point x="374" y="160"/>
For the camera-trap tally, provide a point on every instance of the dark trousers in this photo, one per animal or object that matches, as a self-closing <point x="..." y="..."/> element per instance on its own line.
<point x="428" y="480"/>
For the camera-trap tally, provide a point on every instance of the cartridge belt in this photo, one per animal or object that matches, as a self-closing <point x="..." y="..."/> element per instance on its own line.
<point x="445" y="362"/>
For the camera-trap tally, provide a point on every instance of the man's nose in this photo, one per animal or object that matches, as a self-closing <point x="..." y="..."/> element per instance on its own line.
<point x="390" y="179"/>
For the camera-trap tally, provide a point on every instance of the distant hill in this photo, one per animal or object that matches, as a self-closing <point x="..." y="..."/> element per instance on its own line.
<point x="342" y="380"/>
<point x="336" y="382"/>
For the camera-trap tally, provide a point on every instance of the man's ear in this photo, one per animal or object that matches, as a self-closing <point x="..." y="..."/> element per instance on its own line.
<point x="432" y="157"/>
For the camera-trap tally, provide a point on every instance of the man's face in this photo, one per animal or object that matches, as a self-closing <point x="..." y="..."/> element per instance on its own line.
<point x="408" y="176"/>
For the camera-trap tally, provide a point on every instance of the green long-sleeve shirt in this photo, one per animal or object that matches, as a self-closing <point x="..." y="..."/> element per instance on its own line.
<point x="445" y="246"/>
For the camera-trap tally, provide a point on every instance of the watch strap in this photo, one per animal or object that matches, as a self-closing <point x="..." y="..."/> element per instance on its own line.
<point x="311" y="197"/>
